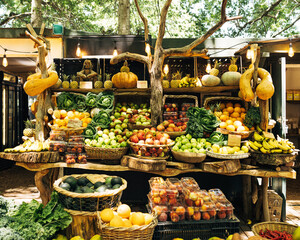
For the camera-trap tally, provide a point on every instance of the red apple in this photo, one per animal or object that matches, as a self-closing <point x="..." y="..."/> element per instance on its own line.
<point x="149" y="141"/>
<point x="134" y="139"/>
<point x="165" y="123"/>
<point x="160" y="127"/>
<point x="141" y="135"/>
<point x="163" y="140"/>
<point x="158" y="135"/>
<point x="174" y="217"/>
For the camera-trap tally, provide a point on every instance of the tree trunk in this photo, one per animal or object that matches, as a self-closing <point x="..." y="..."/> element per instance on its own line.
<point x="124" y="17"/>
<point x="36" y="16"/>
<point x="156" y="88"/>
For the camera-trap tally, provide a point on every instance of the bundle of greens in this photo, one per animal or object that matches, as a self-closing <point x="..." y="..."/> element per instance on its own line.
<point x="34" y="221"/>
<point x="101" y="119"/>
<point x="105" y="100"/>
<point x="66" y="101"/>
<point x="91" y="100"/>
<point x="217" y="138"/>
<point x="80" y="103"/>
<point x="200" y="121"/>
<point x="252" y="117"/>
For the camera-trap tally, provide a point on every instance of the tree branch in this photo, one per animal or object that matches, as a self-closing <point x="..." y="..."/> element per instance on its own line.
<point x="287" y="27"/>
<point x="145" y="21"/>
<point x="177" y="52"/>
<point x="14" y="16"/>
<point x="131" y="56"/>
<point x="162" y="24"/>
<point x="191" y="46"/>
<point x="265" y="13"/>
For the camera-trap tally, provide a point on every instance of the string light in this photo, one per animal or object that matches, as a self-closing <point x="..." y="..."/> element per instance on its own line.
<point x="291" y="50"/>
<point x="78" y="50"/>
<point x="166" y="69"/>
<point x="115" y="52"/>
<point x="208" y="66"/>
<point x="4" y="60"/>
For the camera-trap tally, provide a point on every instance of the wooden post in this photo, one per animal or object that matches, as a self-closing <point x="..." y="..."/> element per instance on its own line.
<point x="264" y="187"/>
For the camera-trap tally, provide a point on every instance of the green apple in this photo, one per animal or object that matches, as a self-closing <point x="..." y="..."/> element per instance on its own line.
<point x="245" y="149"/>
<point x="106" y="131"/>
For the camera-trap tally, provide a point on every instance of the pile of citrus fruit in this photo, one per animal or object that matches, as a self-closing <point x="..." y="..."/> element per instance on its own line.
<point x="231" y="115"/>
<point x="123" y="217"/>
<point x="61" y="118"/>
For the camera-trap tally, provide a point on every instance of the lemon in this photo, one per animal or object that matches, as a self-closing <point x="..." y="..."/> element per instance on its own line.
<point x="96" y="237"/>
<point x="148" y="218"/>
<point x="117" y="221"/>
<point x="107" y="215"/>
<point x="77" y="238"/>
<point x="124" y="211"/>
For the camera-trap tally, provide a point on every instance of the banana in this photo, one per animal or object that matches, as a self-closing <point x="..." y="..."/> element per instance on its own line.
<point x="276" y="151"/>
<point x="258" y="137"/>
<point x="266" y="145"/>
<point x="263" y="150"/>
<point x="272" y="143"/>
<point x="285" y="151"/>
<point x="282" y="145"/>
<point x="258" y="129"/>
<point x="257" y="144"/>
<point x="253" y="146"/>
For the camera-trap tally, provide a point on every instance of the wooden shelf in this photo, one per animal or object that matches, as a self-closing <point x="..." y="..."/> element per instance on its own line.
<point x="117" y="91"/>
<point x="202" y="89"/>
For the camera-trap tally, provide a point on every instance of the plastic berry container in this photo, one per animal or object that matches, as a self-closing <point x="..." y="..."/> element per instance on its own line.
<point x="82" y="158"/>
<point x="186" y="106"/>
<point x="75" y="147"/>
<point x="76" y="138"/>
<point x="217" y="195"/>
<point x="57" y="135"/>
<point x="177" y="212"/>
<point x="158" y="199"/>
<point x="189" y="183"/>
<point x="59" y="146"/>
<point x="208" y="211"/>
<point x="204" y="195"/>
<point x="192" y="197"/>
<point x="162" y="211"/>
<point x="224" y="210"/>
<point x="70" y="158"/>
<point x="174" y="184"/>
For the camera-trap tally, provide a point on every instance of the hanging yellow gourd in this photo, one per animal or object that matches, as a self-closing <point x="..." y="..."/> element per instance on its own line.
<point x="125" y="78"/>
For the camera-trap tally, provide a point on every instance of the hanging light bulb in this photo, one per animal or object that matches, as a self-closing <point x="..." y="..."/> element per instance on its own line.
<point x="148" y="49"/>
<point x="208" y="66"/>
<point x="115" y="53"/>
<point x="249" y="53"/>
<point x="4" y="60"/>
<point x="78" y="50"/>
<point x="166" y="69"/>
<point x="291" y="50"/>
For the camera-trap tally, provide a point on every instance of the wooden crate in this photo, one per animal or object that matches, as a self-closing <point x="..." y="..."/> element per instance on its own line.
<point x="275" y="205"/>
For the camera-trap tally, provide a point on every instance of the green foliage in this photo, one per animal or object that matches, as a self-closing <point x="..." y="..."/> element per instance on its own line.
<point x="252" y="117"/>
<point x="186" y="18"/>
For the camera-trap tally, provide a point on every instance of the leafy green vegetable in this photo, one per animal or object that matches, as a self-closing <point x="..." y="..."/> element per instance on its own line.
<point x="101" y="119"/>
<point x="105" y="100"/>
<point x="252" y="117"/>
<point x="7" y="207"/>
<point x="217" y="138"/>
<point x="200" y="121"/>
<point x="91" y="100"/>
<point x="80" y="103"/>
<point x="7" y="233"/>
<point x="90" y="131"/>
<point x="66" y="101"/>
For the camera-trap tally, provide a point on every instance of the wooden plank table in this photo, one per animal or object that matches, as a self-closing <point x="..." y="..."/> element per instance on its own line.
<point x="47" y="173"/>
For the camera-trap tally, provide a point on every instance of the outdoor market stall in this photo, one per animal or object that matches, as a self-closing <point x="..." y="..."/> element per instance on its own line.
<point x="90" y="128"/>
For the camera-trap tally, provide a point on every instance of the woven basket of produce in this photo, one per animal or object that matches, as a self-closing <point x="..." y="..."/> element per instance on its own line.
<point x="174" y="135"/>
<point x="227" y="156"/>
<point x="89" y="192"/>
<point x="223" y="99"/>
<point x="244" y="134"/>
<point x="274" y="159"/>
<point x="265" y="229"/>
<point x="106" y="153"/>
<point x="189" y="157"/>
<point x="144" y="232"/>
<point x="132" y="126"/>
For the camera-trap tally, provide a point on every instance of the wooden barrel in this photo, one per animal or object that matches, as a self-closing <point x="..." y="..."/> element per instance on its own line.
<point x="84" y="224"/>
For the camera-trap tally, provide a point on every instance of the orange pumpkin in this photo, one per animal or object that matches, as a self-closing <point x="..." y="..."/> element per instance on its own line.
<point x="125" y="78"/>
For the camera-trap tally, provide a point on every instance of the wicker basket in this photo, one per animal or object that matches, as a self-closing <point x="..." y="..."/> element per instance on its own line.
<point x="228" y="156"/>
<point x="106" y="153"/>
<point x="144" y="232"/>
<point x="194" y="98"/>
<point x="174" y="135"/>
<point x="211" y="100"/>
<point x="244" y="135"/>
<point x="189" y="157"/>
<point x="279" y="226"/>
<point x="89" y="202"/>
<point x="274" y="159"/>
<point x="133" y="126"/>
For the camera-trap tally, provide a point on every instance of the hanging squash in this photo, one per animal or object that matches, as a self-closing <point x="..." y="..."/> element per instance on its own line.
<point x="125" y="78"/>
<point x="231" y="78"/>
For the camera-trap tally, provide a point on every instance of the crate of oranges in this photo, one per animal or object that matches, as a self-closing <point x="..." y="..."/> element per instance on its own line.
<point x="231" y="111"/>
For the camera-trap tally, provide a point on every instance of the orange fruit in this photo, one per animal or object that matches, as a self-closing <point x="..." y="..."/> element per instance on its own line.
<point x="233" y="119"/>
<point x="63" y="113"/>
<point x="222" y="106"/>
<point x="137" y="218"/>
<point x="246" y="128"/>
<point x="81" y="116"/>
<point x="124" y="211"/>
<point x="229" y="104"/>
<point x="243" y="110"/>
<point x="237" y="105"/>
<point x="89" y="120"/>
<point x="77" y="114"/>
<point x="84" y="124"/>
<point x="223" y="118"/>
<point x="70" y="115"/>
<point x="224" y="110"/>
<point x="116" y="221"/>
<point x="240" y="129"/>
<point x="235" y="115"/>
<point x="223" y="125"/>
<point x="127" y="223"/>
<point x="229" y="122"/>
<point x="240" y="119"/>
<point x="230" y="128"/>
<point x="226" y="113"/>
<point x="230" y="109"/>
<point x="107" y="215"/>
<point x="238" y="109"/>
<point x="243" y="115"/>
